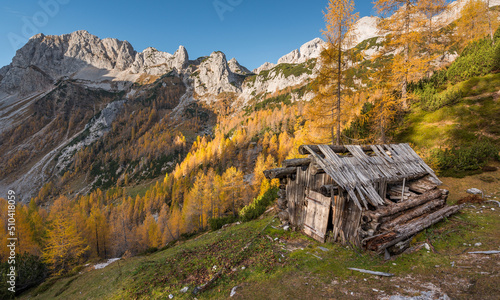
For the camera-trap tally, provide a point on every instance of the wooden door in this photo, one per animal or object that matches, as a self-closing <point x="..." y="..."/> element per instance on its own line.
<point x="317" y="210"/>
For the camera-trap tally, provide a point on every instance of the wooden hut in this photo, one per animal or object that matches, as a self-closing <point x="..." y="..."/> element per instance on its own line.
<point x="374" y="196"/>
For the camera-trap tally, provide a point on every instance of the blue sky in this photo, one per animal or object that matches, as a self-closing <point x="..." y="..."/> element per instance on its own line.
<point x="252" y="31"/>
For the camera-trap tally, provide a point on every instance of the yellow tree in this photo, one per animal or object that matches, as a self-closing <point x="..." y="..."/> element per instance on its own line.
<point x="233" y="185"/>
<point x="97" y="232"/>
<point x="4" y="251"/>
<point x="65" y="246"/>
<point x="175" y="222"/>
<point x="24" y="231"/>
<point x="402" y="22"/>
<point x="433" y="42"/>
<point x="331" y="82"/>
<point x="384" y="97"/>
<point x="476" y="21"/>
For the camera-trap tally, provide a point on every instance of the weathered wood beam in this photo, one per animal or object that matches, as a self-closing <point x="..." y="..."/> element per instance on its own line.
<point x="422" y="185"/>
<point x="316" y="169"/>
<point x="296" y="162"/>
<point x="335" y="148"/>
<point x="400" y="233"/>
<point x="400" y="179"/>
<point x="279" y="172"/>
<point x="414" y="213"/>
<point x="372" y="272"/>
<point x="402" y="206"/>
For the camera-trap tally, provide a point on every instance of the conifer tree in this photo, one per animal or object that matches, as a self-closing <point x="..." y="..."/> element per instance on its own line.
<point x="433" y="43"/>
<point x="401" y="22"/>
<point x="65" y="246"/>
<point x="331" y="83"/>
<point x="476" y="21"/>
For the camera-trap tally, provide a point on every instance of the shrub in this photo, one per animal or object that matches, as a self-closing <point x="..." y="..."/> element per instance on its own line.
<point x="259" y="205"/>
<point x="458" y="161"/>
<point x="217" y="223"/>
<point x="430" y="100"/>
<point x="477" y="59"/>
<point x="30" y="272"/>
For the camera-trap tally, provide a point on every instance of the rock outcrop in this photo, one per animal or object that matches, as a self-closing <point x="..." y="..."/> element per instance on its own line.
<point x="214" y="76"/>
<point x="236" y="68"/>
<point x="264" y="67"/>
<point x="154" y="62"/>
<point x="311" y="49"/>
<point x="85" y="57"/>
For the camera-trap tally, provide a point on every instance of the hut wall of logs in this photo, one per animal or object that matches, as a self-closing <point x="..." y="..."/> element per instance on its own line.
<point x="377" y="197"/>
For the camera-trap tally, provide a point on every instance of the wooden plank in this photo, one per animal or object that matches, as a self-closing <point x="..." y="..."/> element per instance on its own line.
<point x="296" y="162"/>
<point x="352" y="222"/>
<point x="338" y="209"/>
<point x="372" y="272"/>
<point x="316" y="215"/>
<point x="335" y="148"/>
<point x="422" y="185"/>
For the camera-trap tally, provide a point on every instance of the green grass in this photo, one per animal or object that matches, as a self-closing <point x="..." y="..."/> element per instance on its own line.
<point x="475" y="115"/>
<point x="285" y="69"/>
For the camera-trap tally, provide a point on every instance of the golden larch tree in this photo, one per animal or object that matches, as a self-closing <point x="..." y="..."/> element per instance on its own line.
<point x="476" y="21"/>
<point x="65" y="247"/>
<point x="401" y="23"/>
<point x="332" y="81"/>
<point x="433" y="43"/>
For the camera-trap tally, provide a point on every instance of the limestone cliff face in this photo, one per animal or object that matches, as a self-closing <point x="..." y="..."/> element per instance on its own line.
<point x="264" y="67"/>
<point x="47" y="58"/>
<point x="112" y="64"/>
<point x="154" y="62"/>
<point x="214" y="76"/>
<point x="83" y="56"/>
<point x="236" y="68"/>
<point x="311" y="49"/>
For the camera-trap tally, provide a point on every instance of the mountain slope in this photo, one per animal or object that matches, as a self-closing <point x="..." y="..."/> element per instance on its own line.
<point x="260" y="260"/>
<point x="99" y="72"/>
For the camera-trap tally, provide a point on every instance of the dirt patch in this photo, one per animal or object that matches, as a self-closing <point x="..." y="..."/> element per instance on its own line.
<point x="296" y="244"/>
<point x="470" y="199"/>
<point x="490" y="187"/>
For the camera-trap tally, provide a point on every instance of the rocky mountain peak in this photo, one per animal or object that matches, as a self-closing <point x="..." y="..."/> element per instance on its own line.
<point x="214" y="76"/>
<point x="311" y="49"/>
<point x="265" y="66"/>
<point x="236" y="68"/>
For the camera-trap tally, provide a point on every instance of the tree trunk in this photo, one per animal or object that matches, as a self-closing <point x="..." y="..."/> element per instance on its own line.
<point x="339" y="78"/>
<point x="335" y="148"/>
<point x="97" y="241"/>
<point x="279" y="172"/>
<point x="404" y="93"/>
<point x="489" y="23"/>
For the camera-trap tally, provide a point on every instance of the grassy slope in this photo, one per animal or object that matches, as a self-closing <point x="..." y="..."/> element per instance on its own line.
<point x="475" y="114"/>
<point x="272" y="271"/>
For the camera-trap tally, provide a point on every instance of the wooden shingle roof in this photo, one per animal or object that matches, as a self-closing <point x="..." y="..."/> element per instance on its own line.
<point x="364" y="167"/>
